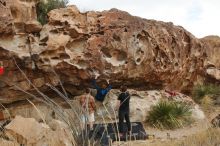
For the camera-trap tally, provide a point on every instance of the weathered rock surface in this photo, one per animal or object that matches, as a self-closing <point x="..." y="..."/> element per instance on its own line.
<point x="213" y="49"/>
<point x="4" y="142"/>
<point x="19" y="16"/>
<point x="214" y="73"/>
<point x="213" y="57"/>
<point x="33" y="27"/>
<point x="140" y="105"/>
<point x="17" y="19"/>
<point x="28" y="131"/>
<point x="216" y="121"/>
<point x="110" y="44"/>
<point x="6" y="21"/>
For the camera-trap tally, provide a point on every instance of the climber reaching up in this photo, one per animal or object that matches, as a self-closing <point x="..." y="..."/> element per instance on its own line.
<point x="101" y="91"/>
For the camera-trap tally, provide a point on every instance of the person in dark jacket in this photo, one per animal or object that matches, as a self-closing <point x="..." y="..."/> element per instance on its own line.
<point x="123" y="110"/>
<point x="101" y="91"/>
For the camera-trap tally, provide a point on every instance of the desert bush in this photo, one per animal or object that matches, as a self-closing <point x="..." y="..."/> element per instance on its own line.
<point x="207" y="103"/>
<point x="43" y="7"/>
<point x="200" y="91"/>
<point x="169" y="114"/>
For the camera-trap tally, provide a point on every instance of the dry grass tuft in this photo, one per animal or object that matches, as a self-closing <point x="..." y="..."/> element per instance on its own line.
<point x="209" y="137"/>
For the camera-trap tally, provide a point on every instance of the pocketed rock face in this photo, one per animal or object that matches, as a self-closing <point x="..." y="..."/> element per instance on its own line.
<point x="17" y="19"/>
<point x="6" y="22"/>
<point x="213" y="49"/>
<point x="110" y="44"/>
<point x="213" y="52"/>
<point x="19" y="16"/>
<point x="120" y="47"/>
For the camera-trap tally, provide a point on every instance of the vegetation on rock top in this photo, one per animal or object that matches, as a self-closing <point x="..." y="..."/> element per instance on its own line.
<point x="201" y="91"/>
<point x="44" y="7"/>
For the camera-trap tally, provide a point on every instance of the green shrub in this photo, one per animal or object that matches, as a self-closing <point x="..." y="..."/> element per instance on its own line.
<point x="43" y="7"/>
<point x="169" y="114"/>
<point x="200" y="91"/>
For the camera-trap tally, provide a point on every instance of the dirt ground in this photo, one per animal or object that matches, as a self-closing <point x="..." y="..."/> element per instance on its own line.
<point x="169" y="137"/>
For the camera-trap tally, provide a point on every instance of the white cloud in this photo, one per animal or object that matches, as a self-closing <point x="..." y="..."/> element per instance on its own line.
<point x="200" y="17"/>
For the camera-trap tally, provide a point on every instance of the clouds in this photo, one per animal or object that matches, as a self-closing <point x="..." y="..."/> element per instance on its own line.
<point x="200" y="17"/>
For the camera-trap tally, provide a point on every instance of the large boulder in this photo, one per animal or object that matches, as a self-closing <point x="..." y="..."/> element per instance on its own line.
<point x="27" y="131"/>
<point x="141" y="103"/>
<point x="121" y="47"/>
<point x="110" y="44"/>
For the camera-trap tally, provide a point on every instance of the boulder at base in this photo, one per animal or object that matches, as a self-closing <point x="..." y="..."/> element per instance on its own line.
<point x="29" y="132"/>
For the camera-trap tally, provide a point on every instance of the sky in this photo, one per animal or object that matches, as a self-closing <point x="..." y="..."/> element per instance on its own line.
<point x="200" y="17"/>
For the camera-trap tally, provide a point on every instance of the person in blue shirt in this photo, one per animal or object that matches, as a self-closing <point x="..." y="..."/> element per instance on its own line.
<point x="101" y="91"/>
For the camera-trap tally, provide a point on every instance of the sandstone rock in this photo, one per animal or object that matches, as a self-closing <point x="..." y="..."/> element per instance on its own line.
<point x="216" y="121"/>
<point x="212" y="49"/>
<point x="141" y="103"/>
<point x="62" y="133"/>
<point x="197" y="113"/>
<point x="217" y="99"/>
<point x="23" y="12"/>
<point x="212" y="44"/>
<point x="19" y="16"/>
<point x="33" y="26"/>
<point x="118" y="46"/>
<point x="6" y="21"/>
<point x="28" y="131"/>
<point x="214" y="73"/>
<point x="39" y="82"/>
<point x="28" y="111"/>
<point x="4" y="142"/>
<point x="111" y="44"/>
<point x="2" y="117"/>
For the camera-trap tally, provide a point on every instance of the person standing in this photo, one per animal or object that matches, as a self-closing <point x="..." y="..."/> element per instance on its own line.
<point x="124" y="110"/>
<point x="87" y="103"/>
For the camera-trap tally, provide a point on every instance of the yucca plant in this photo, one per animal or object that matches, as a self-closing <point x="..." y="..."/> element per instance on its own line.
<point x="169" y="114"/>
<point x="200" y="91"/>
